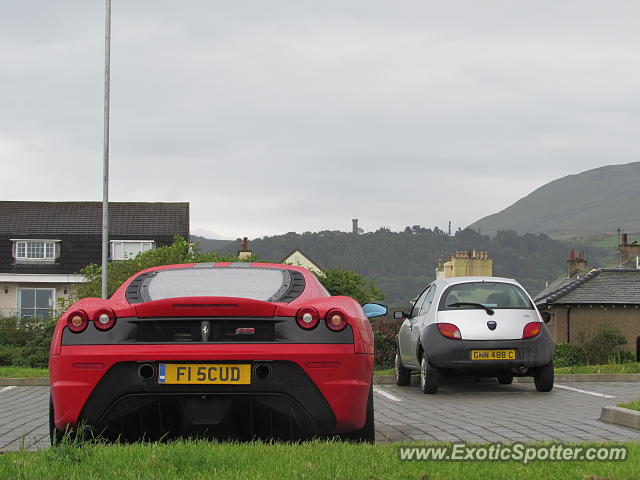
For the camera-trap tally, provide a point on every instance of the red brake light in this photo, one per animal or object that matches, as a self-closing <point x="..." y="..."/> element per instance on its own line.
<point x="336" y="320"/>
<point x="450" y="331"/>
<point x="104" y="319"/>
<point x="531" y="329"/>
<point x="77" y="321"/>
<point x="307" y="317"/>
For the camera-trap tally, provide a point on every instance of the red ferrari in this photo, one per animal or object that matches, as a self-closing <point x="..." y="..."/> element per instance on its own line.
<point x="220" y="350"/>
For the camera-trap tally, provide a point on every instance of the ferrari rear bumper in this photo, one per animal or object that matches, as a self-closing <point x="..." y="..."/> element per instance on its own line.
<point x="310" y="390"/>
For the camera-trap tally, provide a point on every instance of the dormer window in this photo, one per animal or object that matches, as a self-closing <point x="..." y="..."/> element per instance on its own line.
<point x="28" y="250"/>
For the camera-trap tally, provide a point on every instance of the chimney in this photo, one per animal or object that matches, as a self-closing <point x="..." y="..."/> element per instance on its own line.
<point x="575" y="265"/>
<point x="244" y="251"/>
<point x="355" y="226"/>
<point x="627" y="250"/>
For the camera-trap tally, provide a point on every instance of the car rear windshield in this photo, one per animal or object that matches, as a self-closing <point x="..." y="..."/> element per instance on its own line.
<point x="268" y="284"/>
<point x="494" y="295"/>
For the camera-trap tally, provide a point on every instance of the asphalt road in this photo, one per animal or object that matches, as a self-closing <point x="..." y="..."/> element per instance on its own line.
<point x="471" y="412"/>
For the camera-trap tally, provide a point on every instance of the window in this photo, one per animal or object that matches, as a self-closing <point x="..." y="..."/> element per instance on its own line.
<point x="39" y="250"/>
<point x="267" y="284"/>
<point x="415" y="311"/>
<point x="490" y="294"/>
<point x="123" y="249"/>
<point x="35" y="302"/>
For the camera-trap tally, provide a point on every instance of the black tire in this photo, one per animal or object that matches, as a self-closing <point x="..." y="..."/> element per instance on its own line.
<point x="367" y="434"/>
<point x="544" y="378"/>
<point x="403" y="375"/>
<point x="505" y="379"/>
<point x="429" y="376"/>
<point x="55" y="436"/>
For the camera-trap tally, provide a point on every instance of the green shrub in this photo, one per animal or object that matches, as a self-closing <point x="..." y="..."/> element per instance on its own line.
<point x="622" y="356"/>
<point x="597" y="348"/>
<point x="27" y="344"/>
<point x="567" y="355"/>
<point x="384" y="332"/>
<point x="7" y="354"/>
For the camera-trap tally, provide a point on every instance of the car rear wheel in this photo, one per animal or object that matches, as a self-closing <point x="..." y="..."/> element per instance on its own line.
<point x="429" y="376"/>
<point x="544" y="378"/>
<point x="403" y="375"/>
<point x="367" y="434"/>
<point x="505" y="379"/>
<point x="55" y="435"/>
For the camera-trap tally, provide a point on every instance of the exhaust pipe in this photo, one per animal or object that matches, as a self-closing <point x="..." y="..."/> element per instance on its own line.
<point x="262" y="371"/>
<point x="147" y="371"/>
<point x="520" y="370"/>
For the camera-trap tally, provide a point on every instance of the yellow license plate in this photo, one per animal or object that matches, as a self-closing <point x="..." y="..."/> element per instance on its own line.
<point x="204" y="374"/>
<point x="493" y="354"/>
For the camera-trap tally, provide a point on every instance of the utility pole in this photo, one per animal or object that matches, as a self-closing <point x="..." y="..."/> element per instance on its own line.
<point x="105" y="167"/>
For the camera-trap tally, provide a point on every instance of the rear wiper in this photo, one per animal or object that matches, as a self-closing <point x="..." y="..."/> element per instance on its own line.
<point x="460" y="304"/>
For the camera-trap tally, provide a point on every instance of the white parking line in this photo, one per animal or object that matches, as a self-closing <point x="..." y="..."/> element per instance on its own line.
<point x="584" y="391"/>
<point x="380" y="391"/>
<point x="11" y="387"/>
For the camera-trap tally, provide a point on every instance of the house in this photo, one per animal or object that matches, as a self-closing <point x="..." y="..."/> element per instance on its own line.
<point x="44" y="245"/>
<point x="586" y="298"/>
<point x="466" y="264"/>
<point x="299" y="259"/>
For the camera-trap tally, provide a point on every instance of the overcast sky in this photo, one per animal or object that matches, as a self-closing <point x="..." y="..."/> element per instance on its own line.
<point x="271" y="116"/>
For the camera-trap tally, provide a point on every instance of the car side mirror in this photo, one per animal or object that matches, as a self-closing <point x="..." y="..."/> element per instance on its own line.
<point x="373" y="310"/>
<point x="399" y="315"/>
<point x="546" y="317"/>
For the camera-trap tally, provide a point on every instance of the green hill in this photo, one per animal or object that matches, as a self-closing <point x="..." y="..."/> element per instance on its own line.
<point x="591" y="202"/>
<point x="402" y="263"/>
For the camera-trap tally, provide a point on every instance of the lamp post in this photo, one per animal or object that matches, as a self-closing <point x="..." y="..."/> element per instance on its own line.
<point x="105" y="167"/>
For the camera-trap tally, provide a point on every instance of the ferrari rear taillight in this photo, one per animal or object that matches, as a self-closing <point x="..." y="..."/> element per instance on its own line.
<point x="531" y="329"/>
<point x="104" y="319"/>
<point x="307" y="317"/>
<point x="77" y="321"/>
<point x="336" y="320"/>
<point x="449" y="330"/>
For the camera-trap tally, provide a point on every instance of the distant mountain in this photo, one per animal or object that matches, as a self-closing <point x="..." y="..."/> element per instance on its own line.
<point x="210" y="245"/>
<point x="595" y="201"/>
<point x="403" y="263"/>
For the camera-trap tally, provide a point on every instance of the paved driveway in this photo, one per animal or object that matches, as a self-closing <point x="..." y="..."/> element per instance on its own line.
<point x="474" y="412"/>
<point x="488" y="412"/>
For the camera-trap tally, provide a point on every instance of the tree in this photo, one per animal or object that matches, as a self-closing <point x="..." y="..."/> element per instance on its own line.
<point x="339" y="281"/>
<point x="180" y="251"/>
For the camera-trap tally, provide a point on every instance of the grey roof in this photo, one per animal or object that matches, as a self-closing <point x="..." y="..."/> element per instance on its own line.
<point x="600" y="285"/>
<point x="125" y="218"/>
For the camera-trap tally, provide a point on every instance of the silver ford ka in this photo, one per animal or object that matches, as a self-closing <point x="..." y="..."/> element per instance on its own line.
<point x="481" y="326"/>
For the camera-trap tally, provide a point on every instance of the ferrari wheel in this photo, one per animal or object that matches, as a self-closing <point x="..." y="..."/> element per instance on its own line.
<point x="55" y="436"/>
<point x="367" y="434"/>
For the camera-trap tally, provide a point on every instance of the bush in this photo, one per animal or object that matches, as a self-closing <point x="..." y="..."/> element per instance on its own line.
<point x="567" y="355"/>
<point x="384" y="332"/>
<point x="26" y="344"/>
<point x="598" y="348"/>
<point x="622" y="356"/>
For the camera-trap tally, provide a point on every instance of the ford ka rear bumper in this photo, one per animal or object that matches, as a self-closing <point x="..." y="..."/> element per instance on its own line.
<point x="456" y="355"/>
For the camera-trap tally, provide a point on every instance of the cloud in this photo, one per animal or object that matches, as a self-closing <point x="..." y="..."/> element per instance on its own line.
<point x="302" y="115"/>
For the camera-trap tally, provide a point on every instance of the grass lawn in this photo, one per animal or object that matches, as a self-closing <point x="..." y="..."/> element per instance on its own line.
<point x="20" y="372"/>
<point x="203" y="460"/>
<point x="631" y="405"/>
<point x="611" y="368"/>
